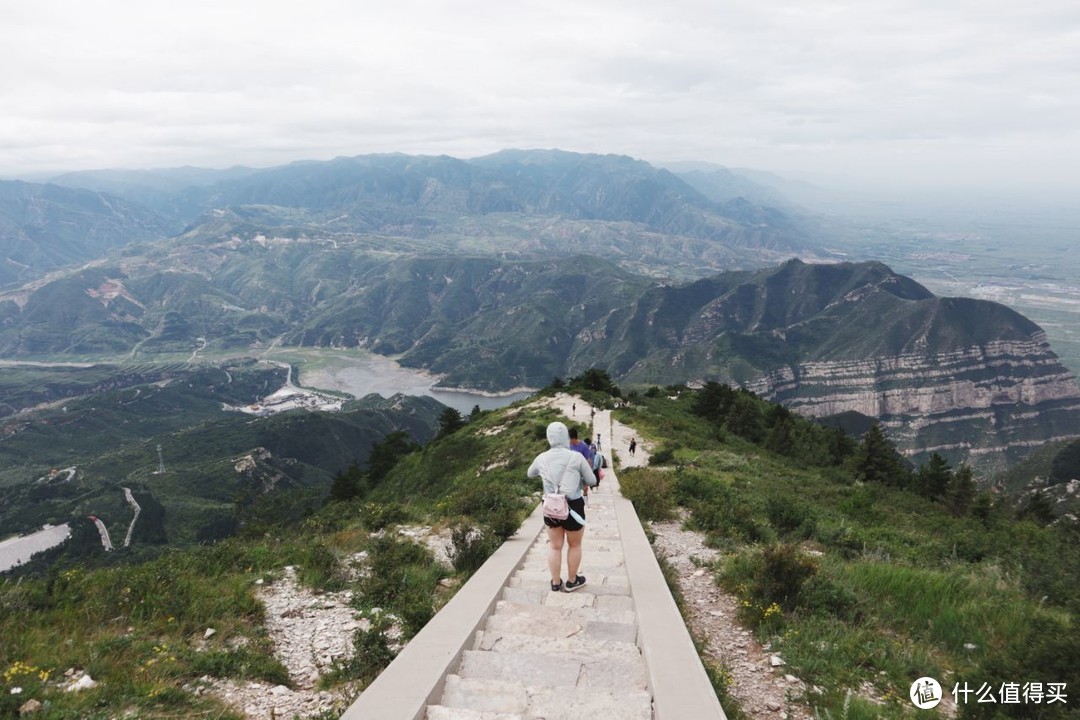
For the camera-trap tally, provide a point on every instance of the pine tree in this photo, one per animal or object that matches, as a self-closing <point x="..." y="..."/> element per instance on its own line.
<point x="713" y="401"/>
<point x="781" y="437"/>
<point x="385" y="455"/>
<point x="450" y="421"/>
<point x="348" y="484"/>
<point x="876" y="460"/>
<point x="841" y="446"/>
<point x="961" y="491"/>
<point x="934" y="478"/>
<point x="745" y="419"/>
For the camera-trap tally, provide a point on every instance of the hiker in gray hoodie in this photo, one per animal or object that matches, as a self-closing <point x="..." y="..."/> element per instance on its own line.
<point x="568" y="473"/>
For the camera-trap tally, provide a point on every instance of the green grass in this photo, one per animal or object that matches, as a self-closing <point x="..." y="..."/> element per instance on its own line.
<point x="136" y="624"/>
<point x="861" y="589"/>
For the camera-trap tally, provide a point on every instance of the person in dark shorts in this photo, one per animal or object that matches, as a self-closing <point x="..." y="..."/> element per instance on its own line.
<point x="568" y="473"/>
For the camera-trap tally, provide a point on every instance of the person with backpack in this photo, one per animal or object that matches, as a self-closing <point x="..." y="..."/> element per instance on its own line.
<point x="597" y="462"/>
<point x="566" y="475"/>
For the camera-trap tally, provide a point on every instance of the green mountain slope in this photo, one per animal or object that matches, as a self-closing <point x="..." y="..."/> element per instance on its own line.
<point x="45" y="227"/>
<point x="218" y="462"/>
<point x="860" y="586"/>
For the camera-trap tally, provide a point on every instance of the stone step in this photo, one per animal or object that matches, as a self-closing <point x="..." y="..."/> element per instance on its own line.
<point x="525" y="615"/>
<point x="595" y="576"/>
<point x="485" y="695"/>
<point x="499" y="700"/>
<point x="603" y="605"/>
<point x="540" y="670"/>
<point x="539" y="554"/>
<point x="529" y="669"/>
<point x="585" y="649"/>
<point x="594" y="703"/>
<point x="441" y="712"/>
<point x="613" y="585"/>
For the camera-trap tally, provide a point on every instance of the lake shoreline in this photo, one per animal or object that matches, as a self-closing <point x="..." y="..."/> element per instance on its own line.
<point x="382" y="375"/>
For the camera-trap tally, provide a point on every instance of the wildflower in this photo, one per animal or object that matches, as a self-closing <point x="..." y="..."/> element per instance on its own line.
<point x="16" y="690"/>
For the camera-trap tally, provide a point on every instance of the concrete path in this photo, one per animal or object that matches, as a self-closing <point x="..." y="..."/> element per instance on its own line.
<point x="555" y="655"/>
<point x="508" y="648"/>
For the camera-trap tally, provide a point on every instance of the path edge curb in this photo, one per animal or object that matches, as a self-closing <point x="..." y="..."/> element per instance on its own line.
<point x="680" y="686"/>
<point x="417" y="675"/>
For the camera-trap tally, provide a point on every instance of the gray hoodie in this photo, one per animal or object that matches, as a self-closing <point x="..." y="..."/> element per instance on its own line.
<point x="563" y="470"/>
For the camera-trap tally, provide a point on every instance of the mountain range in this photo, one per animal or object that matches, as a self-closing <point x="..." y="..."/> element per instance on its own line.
<point x="510" y="269"/>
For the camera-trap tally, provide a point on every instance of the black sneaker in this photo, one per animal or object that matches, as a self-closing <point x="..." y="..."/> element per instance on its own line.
<point x="556" y="586"/>
<point x="572" y="585"/>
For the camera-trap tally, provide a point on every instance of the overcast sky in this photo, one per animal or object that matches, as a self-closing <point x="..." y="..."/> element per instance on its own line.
<point x="953" y="93"/>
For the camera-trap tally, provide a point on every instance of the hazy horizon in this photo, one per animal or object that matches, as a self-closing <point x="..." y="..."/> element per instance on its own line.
<point x="970" y="99"/>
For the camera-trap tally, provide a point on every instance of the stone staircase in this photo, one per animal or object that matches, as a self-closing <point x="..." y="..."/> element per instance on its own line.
<point x="556" y="655"/>
<point x="508" y="648"/>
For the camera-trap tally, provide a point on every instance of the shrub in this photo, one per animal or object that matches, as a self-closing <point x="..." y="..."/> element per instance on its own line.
<point x="403" y="578"/>
<point x="662" y="456"/>
<point x="377" y="516"/>
<point x="1049" y="651"/>
<point x="787" y="515"/>
<point x="652" y="492"/>
<point x="821" y="595"/>
<point x="372" y="653"/>
<point x="471" y="547"/>
<point x="780" y="572"/>
<point x="840" y="536"/>
<point x="319" y="568"/>
<point x="729" y="515"/>
<point x="785" y="570"/>
<point x="492" y="503"/>
<point x="693" y="486"/>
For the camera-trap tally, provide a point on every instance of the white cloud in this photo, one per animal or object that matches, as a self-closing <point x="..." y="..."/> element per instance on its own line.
<point x="923" y="92"/>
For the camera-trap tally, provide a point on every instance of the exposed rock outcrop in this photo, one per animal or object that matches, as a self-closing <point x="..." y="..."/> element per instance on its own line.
<point x="983" y="403"/>
<point x="969" y="379"/>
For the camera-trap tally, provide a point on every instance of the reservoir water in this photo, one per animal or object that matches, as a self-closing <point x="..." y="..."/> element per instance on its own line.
<point x="362" y="375"/>
<point x="16" y="550"/>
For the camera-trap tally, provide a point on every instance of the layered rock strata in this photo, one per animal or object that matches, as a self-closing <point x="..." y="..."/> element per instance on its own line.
<point x="988" y="402"/>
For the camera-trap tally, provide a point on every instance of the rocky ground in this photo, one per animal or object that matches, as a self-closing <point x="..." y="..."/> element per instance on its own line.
<point x="310" y="631"/>
<point x="759" y="681"/>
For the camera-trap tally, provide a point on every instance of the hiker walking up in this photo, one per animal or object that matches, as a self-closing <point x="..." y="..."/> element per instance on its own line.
<point x="582" y="447"/>
<point x="568" y="473"/>
<point x="597" y="463"/>
<point x="633" y="446"/>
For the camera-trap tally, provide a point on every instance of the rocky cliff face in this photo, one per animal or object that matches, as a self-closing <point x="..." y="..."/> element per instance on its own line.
<point x="987" y="404"/>
<point x="969" y="379"/>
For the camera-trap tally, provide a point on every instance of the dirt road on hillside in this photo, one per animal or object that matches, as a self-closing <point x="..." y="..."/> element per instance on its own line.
<point x="613" y="434"/>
